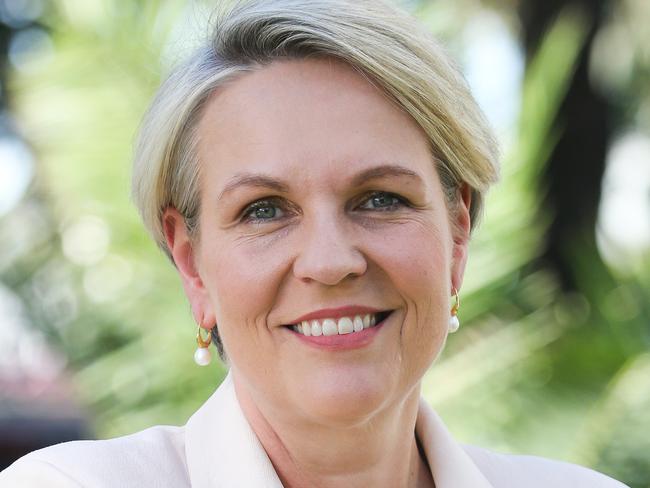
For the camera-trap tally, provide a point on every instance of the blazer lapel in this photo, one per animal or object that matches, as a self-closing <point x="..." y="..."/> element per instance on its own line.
<point x="221" y="448"/>
<point x="450" y="465"/>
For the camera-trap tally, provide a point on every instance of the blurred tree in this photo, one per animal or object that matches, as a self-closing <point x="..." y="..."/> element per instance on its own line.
<point x="573" y="175"/>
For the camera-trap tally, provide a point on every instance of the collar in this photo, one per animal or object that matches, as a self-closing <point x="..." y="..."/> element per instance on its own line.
<point x="450" y="465"/>
<point x="223" y="451"/>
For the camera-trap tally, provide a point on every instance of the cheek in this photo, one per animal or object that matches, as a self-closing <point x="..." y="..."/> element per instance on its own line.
<point x="242" y="279"/>
<point x="416" y="258"/>
<point x="420" y="272"/>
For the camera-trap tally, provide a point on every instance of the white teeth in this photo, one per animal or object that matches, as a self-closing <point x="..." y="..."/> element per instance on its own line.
<point x="330" y="327"/>
<point x="358" y="324"/>
<point x="306" y="328"/>
<point x="345" y="326"/>
<point x="316" y="329"/>
<point x="366" y="321"/>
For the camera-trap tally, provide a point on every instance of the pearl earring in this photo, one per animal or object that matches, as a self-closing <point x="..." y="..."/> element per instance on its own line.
<point x="202" y="355"/>
<point x="454" y="323"/>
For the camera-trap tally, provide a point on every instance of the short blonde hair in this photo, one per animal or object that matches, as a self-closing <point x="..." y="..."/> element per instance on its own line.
<point x="385" y="44"/>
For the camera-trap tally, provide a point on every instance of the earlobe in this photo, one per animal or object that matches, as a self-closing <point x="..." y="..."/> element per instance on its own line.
<point x="183" y="253"/>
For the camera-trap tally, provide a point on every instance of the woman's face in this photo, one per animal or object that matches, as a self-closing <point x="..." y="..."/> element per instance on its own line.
<point x="320" y="196"/>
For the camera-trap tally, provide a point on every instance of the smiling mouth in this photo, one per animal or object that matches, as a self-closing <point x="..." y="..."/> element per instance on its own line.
<point x="341" y="325"/>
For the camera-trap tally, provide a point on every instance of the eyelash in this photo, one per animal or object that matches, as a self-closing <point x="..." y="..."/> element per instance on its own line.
<point x="268" y="202"/>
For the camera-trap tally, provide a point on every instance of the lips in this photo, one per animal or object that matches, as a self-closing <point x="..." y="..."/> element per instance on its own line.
<point x="347" y="324"/>
<point x="349" y="341"/>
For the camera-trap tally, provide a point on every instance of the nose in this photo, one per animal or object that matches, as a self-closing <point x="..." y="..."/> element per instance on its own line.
<point x="327" y="253"/>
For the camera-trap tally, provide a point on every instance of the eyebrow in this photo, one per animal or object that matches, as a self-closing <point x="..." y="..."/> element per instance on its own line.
<point x="255" y="180"/>
<point x="384" y="171"/>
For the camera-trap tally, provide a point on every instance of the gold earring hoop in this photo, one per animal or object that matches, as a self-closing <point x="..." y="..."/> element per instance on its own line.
<point x="454" y="323"/>
<point x="202" y="355"/>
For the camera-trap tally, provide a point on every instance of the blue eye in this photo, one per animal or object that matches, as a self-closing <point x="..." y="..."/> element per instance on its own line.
<point x="269" y="210"/>
<point x="382" y="200"/>
<point x="262" y="210"/>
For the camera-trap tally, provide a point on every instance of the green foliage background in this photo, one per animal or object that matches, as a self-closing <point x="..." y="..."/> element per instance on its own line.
<point x="532" y="370"/>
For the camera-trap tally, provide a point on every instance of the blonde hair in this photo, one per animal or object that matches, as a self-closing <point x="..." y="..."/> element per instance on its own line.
<point x="383" y="43"/>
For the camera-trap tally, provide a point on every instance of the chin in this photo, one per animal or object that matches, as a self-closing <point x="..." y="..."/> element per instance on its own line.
<point x="345" y="399"/>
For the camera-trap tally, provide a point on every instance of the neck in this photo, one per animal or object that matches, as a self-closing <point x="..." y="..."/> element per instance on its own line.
<point x="381" y="451"/>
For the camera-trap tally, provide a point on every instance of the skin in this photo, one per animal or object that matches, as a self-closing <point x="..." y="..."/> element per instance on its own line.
<point x="325" y="418"/>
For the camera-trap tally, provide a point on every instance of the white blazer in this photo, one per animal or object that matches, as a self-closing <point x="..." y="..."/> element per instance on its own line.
<point x="218" y="448"/>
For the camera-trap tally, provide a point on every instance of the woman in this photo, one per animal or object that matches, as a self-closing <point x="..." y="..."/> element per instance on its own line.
<point x="314" y="175"/>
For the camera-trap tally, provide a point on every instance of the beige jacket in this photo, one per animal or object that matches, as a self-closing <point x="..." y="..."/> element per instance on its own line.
<point x="217" y="448"/>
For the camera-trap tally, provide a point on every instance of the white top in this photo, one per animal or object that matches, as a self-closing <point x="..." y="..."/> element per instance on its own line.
<point x="218" y="448"/>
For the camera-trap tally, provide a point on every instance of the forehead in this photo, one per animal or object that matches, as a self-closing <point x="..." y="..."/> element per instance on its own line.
<point x="316" y="118"/>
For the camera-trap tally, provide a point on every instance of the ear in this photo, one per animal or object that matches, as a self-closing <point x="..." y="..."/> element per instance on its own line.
<point x="461" y="228"/>
<point x="185" y="259"/>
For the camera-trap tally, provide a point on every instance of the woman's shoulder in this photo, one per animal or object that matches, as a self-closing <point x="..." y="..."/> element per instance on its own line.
<point x="155" y="456"/>
<point x="511" y="470"/>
